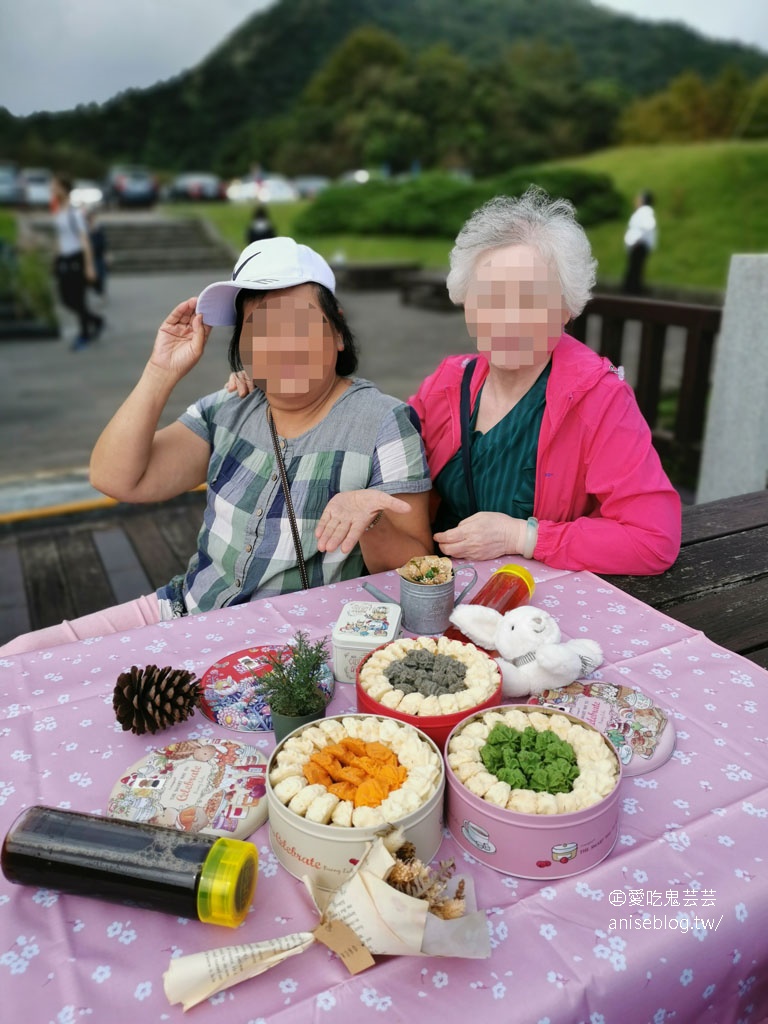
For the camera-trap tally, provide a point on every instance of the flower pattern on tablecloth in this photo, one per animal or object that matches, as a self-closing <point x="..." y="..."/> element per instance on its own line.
<point x="684" y="886"/>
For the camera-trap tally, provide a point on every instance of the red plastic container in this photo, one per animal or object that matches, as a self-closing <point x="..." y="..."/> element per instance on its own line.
<point x="508" y="587"/>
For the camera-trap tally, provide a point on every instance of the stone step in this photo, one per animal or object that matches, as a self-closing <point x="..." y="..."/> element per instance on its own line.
<point x="143" y="243"/>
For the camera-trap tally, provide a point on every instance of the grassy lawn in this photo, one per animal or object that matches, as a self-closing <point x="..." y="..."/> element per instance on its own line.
<point x="7" y="226"/>
<point x="709" y="202"/>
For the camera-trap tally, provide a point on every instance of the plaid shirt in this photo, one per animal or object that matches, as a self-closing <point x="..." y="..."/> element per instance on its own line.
<point x="245" y="547"/>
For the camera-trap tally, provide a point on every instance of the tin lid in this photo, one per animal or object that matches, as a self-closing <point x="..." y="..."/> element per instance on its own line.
<point x="216" y="787"/>
<point x="641" y="732"/>
<point x="367" y="624"/>
<point x="228" y="695"/>
<point x="227" y="882"/>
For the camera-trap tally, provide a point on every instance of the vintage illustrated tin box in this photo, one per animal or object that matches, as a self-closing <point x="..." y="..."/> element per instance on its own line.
<point x="362" y="627"/>
<point x="216" y="786"/>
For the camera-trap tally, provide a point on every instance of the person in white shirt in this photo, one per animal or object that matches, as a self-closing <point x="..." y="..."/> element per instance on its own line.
<point x="74" y="263"/>
<point x="639" y="239"/>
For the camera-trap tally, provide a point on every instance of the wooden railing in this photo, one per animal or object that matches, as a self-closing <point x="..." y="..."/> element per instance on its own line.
<point x="700" y="324"/>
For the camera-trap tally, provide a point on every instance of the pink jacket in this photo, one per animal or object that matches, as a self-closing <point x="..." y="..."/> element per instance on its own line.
<point x="602" y="499"/>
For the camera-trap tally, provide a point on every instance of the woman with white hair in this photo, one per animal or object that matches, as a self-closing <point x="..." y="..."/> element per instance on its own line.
<point x="536" y="446"/>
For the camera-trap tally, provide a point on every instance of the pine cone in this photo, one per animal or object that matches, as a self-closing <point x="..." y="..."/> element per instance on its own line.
<point x="152" y="698"/>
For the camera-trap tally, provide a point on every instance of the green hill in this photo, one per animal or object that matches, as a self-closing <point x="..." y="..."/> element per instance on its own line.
<point x="710" y="203"/>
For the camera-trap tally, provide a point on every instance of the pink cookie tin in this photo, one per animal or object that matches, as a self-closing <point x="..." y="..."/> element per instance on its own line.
<point x="327" y="854"/>
<point x="539" y="846"/>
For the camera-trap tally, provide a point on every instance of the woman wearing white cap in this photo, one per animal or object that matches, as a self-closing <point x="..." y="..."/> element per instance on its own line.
<point x="312" y="477"/>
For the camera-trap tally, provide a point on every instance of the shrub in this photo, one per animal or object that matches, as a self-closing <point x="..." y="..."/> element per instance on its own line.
<point x="593" y="194"/>
<point x="438" y="204"/>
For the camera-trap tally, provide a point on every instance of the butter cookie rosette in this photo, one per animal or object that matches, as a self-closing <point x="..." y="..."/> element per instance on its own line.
<point x="532" y="791"/>
<point x="334" y="784"/>
<point x="429" y="682"/>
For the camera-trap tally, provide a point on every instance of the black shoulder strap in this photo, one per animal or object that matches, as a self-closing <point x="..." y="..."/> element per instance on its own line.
<point x="464" y="414"/>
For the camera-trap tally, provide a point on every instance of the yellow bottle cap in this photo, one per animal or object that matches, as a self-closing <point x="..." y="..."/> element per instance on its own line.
<point x="522" y="572"/>
<point x="227" y="882"/>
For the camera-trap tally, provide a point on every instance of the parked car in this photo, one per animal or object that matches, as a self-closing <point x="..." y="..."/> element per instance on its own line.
<point x="36" y="186"/>
<point x="308" y="185"/>
<point x="196" y="186"/>
<point x="10" y="185"/>
<point x="131" y="186"/>
<point x="86" y="193"/>
<point x="358" y="177"/>
<point x="267" y="188"/>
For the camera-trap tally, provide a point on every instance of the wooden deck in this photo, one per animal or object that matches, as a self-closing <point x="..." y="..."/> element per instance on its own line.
<point x="61" y="567"/>
<point x="55" y="568"/>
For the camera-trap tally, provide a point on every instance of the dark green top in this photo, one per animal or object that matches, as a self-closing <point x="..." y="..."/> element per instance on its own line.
<point x="503" y="463"/>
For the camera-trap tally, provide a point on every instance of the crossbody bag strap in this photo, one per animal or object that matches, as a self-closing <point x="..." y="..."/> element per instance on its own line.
<point x="464" y="415"/>
<point x="288" y="502"/>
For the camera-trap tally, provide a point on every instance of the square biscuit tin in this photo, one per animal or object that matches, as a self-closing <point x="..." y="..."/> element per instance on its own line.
<point x="361" y="628"/>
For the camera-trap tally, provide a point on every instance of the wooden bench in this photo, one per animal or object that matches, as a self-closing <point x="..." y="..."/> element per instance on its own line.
<point x="426" y="288"/>
<point x="373" y="276"/>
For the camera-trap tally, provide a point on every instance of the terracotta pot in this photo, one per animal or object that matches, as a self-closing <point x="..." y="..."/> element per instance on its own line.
<point x="285" y="724"/>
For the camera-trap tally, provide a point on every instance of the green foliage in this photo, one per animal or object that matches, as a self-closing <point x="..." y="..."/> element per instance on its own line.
<point x="439" y="204"/>
<point x="35" y="286"/>
<point x="7" y="226"/>
<point x="292" y="686"/>
<point x="709" y="204"/>
<point x="691" y="110"/>
<point x="753" y="123"/>
<point x="25" y="278"/>
<point x="594" y="195"/>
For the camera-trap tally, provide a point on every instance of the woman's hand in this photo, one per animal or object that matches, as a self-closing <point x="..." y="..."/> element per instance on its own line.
<point x="349" y="514"/>
<point x="180" y="340"/>
<point x="483" y="535"/>
<point x="241" y="383"/>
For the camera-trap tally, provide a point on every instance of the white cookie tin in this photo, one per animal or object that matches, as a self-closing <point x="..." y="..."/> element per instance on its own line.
<point x="361" y="628"/>
<point x="327" y="854"/>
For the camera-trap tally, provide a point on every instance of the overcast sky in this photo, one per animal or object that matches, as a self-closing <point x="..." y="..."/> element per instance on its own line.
<point x="55" y="54"/>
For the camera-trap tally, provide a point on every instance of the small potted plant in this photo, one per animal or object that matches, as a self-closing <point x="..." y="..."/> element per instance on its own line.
<point x="293" y="686"/>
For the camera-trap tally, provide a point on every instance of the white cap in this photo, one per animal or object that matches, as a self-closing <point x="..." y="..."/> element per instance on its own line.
<point x="264" y="266"/>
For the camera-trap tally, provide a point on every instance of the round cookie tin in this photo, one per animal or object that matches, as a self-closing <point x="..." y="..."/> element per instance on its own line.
<point x="532" y="845"/>
<point x="228" y="694"/>
<point x="327" y="854"/>
<point x="437" y="727"/>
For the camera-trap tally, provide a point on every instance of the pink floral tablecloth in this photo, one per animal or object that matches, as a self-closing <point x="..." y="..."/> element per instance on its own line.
<point x="670" y="927"/>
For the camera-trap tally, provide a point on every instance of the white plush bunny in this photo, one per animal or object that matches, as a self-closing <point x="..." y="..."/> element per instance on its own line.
<point x="528" y="639"/>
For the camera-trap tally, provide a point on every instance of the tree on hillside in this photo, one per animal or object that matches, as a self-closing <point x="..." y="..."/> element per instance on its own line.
<point x="692" y="110"/>
<point x="753" y="124"/>
<point x="373" y="104"/>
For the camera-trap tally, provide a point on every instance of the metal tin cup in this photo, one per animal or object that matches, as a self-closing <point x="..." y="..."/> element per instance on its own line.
<point x="427" y="607"/>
